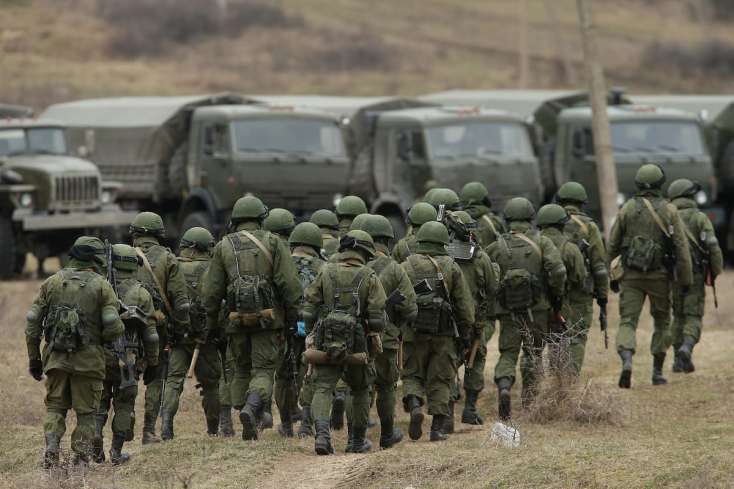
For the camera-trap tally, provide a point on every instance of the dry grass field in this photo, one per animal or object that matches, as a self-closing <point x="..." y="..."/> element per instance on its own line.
<point x="680" y="435"/>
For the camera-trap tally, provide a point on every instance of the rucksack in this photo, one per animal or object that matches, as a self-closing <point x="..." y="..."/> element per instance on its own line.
<point x="193" y="272"/>
<point x="644" y="253"/>
<point x="521" y="286"/>
<point x="581" y="239"/>
<point x="65" y="325"/>
<point x="435" y="314"/>
<point x="250" y="289"/>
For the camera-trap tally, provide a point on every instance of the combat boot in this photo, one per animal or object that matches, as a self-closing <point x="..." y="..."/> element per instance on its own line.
<point x="322" y="444"/>
<point x="266" y="417"/>
<point x="166" y="425"/>
<point x="677" y="362"/>
<point x="130" y="433"/>
<point x="625" y="378"/>
<point x="437" y="424"/>
<point x="504" y="399"/>
<point x="117" y="456"/>
<point x="337" y="410"/>
<point x="212" y="426"/>
<point x="658" y="360"/>
<point x="415" y="429"/>
<point x="389" y="434"/>
<point x="685" y="352"/>
<point x="449" y="419"/>
<point x="249" y="416"/>
<point x="360" y="442"/>
<point x="350" y="439"/>
<point x="51" y="455"/>
<point x="98" y="440"/>
<point x="470" y="415"/>
<point x="149" y="435"/>
<point x="306" y="428"/>
<point x="285" y="428"/>
<point x="226" y="428"/>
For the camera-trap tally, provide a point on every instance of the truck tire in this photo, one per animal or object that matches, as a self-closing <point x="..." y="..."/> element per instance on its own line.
<point x="197" y="219"/>
<point x="8" y="250"/>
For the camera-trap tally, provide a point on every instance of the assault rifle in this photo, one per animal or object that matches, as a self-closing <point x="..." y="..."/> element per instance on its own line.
<point x="291" y="358"/>
<point x="604" y="325"/>
<point x="120" y="346"/>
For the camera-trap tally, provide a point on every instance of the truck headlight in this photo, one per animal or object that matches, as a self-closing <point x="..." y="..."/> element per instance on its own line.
<point x="620" y="199"/>
<point x="26" y="200"/>
<point x="701" y="197"/>
<point x="106" y="197"/>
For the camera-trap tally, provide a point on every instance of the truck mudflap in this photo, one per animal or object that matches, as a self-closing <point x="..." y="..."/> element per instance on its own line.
<point x="108" y="216"/>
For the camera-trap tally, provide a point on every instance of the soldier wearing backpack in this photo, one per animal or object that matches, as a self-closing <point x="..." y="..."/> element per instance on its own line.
<point x="651" y="240"/>
<point x="138" y="348"/>
<point x="161" y="277"/>
<point x="475" y="201"/>
<point x="418" y="215"/>
<point x="305" y="245"/>
<point x="707" y="261"/>
<point x="441" y="331"/>
<point x="75" y="312"/>
<point x="281" y="223"/>
<point x="583" y="231"/>
<point x="195" y="343"/>
<point x="551" y="220"/>
<point x="344" y="315"/>
<point x="328" y="223"/>
<point x="531" y="287"/>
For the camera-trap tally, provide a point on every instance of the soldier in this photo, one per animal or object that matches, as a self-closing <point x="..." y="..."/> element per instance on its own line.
<point x="445" y="318"/>
<point x="401" y="310"/>
<point x="328" y="223"/>
<point x="443" y="197"/>
<point x="123" y="357"/>
<point x="482" y="277"/>
<point x="418" y="215"/>
<point x="650" y="238"/>
<point x="161" y="277"/>
<point x="195" y="343"/>
<point x="707" y="264"/>
<point x="583" y="231"/>
<point x="551" y="220"/>
<point x="531" y="284"/>
<point x="344" y="315"/>
<point x="253" y="271"/>
<point x="347" y="209"/>
<point x="76" y="311"/>
<point x="305" y="244"/>
<point x="475" y="201"/>
<point x="281" y="223"/>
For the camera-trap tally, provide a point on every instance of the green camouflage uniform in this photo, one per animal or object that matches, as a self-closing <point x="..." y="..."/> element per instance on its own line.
<point x="193" y="265"/>
<point x="583" y="231"/>
<point x="405" y="246"/>
<point x="74" y="379"/>
<point x="489" y="225"/>
<point x="166" y="269"/>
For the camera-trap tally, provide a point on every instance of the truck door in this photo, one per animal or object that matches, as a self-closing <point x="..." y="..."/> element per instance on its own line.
<point x="216" y="163"/>
<point x="408" y="162"/>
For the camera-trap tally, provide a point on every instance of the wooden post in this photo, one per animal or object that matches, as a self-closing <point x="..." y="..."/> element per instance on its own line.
<point x="606" y="171"/>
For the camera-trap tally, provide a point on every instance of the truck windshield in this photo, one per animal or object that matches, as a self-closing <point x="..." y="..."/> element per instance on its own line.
<point x="35" y="140"/>
<point x="657" y="137"/>
<point x="291" y="136"/>
<point x="477" y="139"/>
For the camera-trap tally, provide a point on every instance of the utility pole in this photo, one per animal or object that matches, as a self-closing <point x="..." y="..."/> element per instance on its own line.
<point x="524" y="56"/>
<point x="606" y="172"/>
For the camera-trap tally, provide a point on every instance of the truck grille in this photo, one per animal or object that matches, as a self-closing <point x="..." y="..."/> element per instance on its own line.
<point x="77" y="190"/>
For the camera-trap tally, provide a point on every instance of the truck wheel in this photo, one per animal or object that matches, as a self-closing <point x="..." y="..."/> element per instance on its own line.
<point x="197" y="219"/>
<point x="8" y="250"/>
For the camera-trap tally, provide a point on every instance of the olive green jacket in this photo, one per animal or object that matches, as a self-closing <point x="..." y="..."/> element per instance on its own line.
<point x="582" y="227"/>
<point x="330" y="242"/>
<point x="405" y="246"/>
<point x="482" y="277"/>
<point x="133" y="294"/>
<point x="635" y="220"/>
<point x="489" y="225"/>
<point x="97" y="299"/>
<point x="194" y="266"/>
<point x="573" y="261"/>
<point x="701" y="237"/>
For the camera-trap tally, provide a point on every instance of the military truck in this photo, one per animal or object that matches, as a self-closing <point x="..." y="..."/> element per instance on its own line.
<point x="191" y="158"/>
<point x="47" y="197"/>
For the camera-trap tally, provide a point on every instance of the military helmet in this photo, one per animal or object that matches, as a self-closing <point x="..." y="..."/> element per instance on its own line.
<point x="147" y="223"/>
<point x="198" y="238"/>
<point x="125" y="257"/>
<point x="463" y="217"/>
<point x="475" y="193"/>
<point x="248" y="208"/>
<point x="649" y="176"/>
<point x="306" y="233"/>
<point x="683" y="188"/>
<point x="552" y="215"/>
<point x="519" y="209"/>
<point x="379" y="227"/>
<point x="433" y="232"/>
<point x="350" y="206"/>
<point x="359" y="222"/>
<point x="357" y="239"/>
<point x="88" y="248"/>
<point x="572" y="191"/>
<point x="421" y="213"/>
<point x="324" y="218"/>
<point x="279" y="221"/>
<point x="443" y="196"/>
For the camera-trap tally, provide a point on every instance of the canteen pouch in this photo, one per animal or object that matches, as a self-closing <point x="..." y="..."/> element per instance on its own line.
<point x="643" y="254"/>
<point x="519" y="290"/>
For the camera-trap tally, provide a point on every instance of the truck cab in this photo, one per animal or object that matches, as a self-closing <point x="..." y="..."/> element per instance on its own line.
<point x="47" y="197"/>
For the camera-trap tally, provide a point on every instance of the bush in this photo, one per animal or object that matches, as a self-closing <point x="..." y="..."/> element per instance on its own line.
<point x="362" y="50"/>
<point x="712" y="57"/>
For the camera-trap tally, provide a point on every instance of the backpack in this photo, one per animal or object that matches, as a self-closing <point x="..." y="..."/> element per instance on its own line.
<point x="520" y="287"/>
<point x="580" y="235"/>
<point x="340" y="332"/>
<point x="65" y="325"/>
<point x="249" y="291"/>
<point x="306" y="274"/>
<point x="193" y="272"/>
<point x="435" y="314"/>
<point x="644" y="253"/>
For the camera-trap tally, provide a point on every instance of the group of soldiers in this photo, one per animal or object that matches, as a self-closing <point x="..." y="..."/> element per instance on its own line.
<point x="326" y="317"/>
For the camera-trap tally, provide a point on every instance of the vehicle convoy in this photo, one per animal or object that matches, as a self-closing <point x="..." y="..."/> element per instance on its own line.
<point x="47" y="197"/>
<point x="191" y="158"/>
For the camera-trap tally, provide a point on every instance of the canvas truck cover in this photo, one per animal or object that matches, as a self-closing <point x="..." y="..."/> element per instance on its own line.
<point x="13" y="111"/>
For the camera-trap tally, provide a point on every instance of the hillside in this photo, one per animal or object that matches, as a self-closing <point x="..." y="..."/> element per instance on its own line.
<point x="54" y="50"/>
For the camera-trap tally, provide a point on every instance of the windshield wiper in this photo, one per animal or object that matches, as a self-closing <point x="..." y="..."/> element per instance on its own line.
<point x="672" y="149"/>
<point x="621" y="149"/>
<point x="493" y="151"/>
<point x="644" y="149"/>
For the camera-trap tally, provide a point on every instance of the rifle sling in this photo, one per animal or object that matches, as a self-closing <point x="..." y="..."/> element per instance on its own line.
<point x="149" y="269"/>
<point x="693" y="240"/>
<point x="529" y="241"/>
<point x="656" y="217"/>
<point x="486" y="218"/>
<point x="581" y="224"/>
<point x="259" y="244"/>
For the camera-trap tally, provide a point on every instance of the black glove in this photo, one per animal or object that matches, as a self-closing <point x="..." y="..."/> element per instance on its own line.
<point x="35" y="368"/>
<point x="601" y="302"/>
<point x="150" y="374"/>
<point x="614" y="285"/>
<point x="684" y="290"/>
<point x="556" y="303"/>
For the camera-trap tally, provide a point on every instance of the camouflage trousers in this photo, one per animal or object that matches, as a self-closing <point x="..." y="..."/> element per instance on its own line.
<point x="430" y="367"/>
<point x="286" y="390"/>
<point x="121" y="400"/>
<point x="522" y="334"/>
<point x="383" y="390"/>
<point x="256" y="356"/>
<point x="357" y="377"/>
<point x="631" y="300"/>
<point x="225" y="381"/>
<point x="688" y="311"/>
<point x="154" y="387"/>
<point x="82" y="393"/>
<point x="474" y="377"/>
